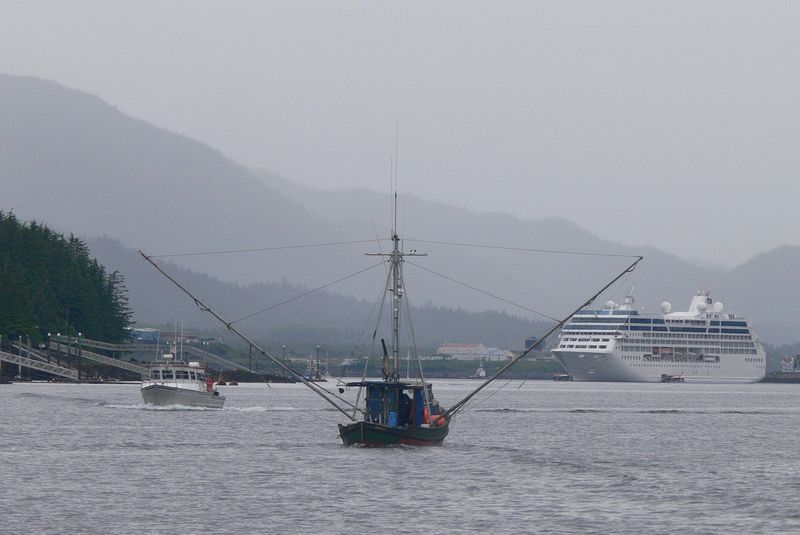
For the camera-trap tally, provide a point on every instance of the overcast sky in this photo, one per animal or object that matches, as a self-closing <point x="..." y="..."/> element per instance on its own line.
<point x="672" y="124"/>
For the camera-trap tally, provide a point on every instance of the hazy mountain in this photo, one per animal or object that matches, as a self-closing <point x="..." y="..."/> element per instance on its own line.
<point x="71" y="160"/>
<point x="75" y="162"/>
<point x="761" y="289"/>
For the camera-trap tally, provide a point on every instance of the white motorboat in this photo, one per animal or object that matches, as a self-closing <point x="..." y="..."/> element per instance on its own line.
<point x="175" y="382"/>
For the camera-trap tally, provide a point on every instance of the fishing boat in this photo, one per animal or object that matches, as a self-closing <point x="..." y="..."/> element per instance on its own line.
<point x="395" y="411"/>
<point x="174" y="382"/>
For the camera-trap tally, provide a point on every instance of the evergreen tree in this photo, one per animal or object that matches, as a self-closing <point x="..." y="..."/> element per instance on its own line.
<point x="49" y="283"/>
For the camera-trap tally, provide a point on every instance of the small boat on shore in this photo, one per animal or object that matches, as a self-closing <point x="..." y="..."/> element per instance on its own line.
<point x="175" y="382"/>
<point x="480" y="373"/>
<point x="666" y="378"/>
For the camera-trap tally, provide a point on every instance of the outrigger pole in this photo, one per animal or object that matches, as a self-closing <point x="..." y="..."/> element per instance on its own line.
<point x="228" y="325"/>
<point x="458" y="406"/>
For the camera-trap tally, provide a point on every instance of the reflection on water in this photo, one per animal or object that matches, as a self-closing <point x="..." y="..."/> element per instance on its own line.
<point x="534" y="457"/>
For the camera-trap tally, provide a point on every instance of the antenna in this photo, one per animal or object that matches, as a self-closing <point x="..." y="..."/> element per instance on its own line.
<point x="396" y="145"/>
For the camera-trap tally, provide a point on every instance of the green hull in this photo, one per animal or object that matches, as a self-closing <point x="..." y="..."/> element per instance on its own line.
<point x="371" y="434"/>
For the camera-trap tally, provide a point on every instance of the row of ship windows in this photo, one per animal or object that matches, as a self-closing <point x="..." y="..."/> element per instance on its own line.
<point x="739" y="348"/>
<point x="702" y="343"/>
<point x="588" y="333"/>
<point x="179" y="374"/>
<point x="585" y="339"/>
<point x="584" y="346"/>
<point x="648" y="328"/>
<point x="657" y="321"/>
<point x="691" y="364"/>
<point x="698" y="336"/>
<point x="638" y="357"/>
<point x="683" y="350"/>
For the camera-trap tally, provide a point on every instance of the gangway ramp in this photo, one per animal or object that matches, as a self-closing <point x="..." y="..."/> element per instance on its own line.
<point x="102" y="359"/>
<point x="59" y="342"/>
<point x="30" y="353"/>
<point x="98" y="344"/>
<point x="39" y="365"/>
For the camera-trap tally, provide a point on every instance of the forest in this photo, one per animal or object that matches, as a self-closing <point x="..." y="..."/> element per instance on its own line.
<point x="50" y="283"/>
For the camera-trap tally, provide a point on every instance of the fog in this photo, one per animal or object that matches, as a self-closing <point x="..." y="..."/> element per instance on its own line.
<point x="672" y="124"/>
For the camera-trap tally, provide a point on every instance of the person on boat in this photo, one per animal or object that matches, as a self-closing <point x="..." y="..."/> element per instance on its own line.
<point x="404" y="409"/>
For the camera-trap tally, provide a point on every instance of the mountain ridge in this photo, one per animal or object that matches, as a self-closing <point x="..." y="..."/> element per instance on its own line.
<point x="75" y="162"/>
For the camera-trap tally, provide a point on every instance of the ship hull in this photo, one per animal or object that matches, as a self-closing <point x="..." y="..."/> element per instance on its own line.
<point x="376" y="435"/>
<point x="162" y="395"/>
<point x="611" y="367"/>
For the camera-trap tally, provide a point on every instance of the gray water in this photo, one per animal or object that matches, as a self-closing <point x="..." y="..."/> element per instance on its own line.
<point x="534" y="457"/>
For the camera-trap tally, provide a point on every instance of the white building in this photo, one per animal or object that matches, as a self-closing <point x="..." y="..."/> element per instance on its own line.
<point x="460" y="351"/>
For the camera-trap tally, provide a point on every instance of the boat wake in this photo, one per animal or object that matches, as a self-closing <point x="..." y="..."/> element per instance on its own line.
<point x="274" y="409"/>
<point x="146" y="407"/>
<point x="637" y="411"/>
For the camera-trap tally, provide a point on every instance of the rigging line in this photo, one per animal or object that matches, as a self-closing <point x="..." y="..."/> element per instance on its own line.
<point x="253" y="250"/>
<point x="412" y="335"/>
<point x="295" y="298"/>
<point x="481" y="402"/>
<point x="377" y="239"/>
<point x="425" y="397"/>
<point x="458" y="406"/>
<point x="382" y="301"/>
<point x="620" y="285"/>
<point x="524" y="249"/>
<point x="234" y="330"/>
<point x="379" y="301"/>
<point x="483" y="291"/>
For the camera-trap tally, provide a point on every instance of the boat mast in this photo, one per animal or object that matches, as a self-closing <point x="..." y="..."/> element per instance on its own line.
<point x="397" y="298"/>
<point x="397" y="291"/>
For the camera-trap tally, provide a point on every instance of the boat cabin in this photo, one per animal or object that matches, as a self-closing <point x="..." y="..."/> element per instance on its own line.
<point x="178" y="374"/>
<point x="398" y="404"/>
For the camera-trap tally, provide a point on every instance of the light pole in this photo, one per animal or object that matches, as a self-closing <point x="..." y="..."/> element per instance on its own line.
<point x="79" y="357"/>
<point x="283" y="359"/>
<point x="318" y="376"/>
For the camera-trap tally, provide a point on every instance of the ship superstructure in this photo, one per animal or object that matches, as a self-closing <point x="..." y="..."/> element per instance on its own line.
<point x="702" y="344"/>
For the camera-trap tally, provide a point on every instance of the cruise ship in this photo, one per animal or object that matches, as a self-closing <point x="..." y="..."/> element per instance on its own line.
<point x="703" y="344"/>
